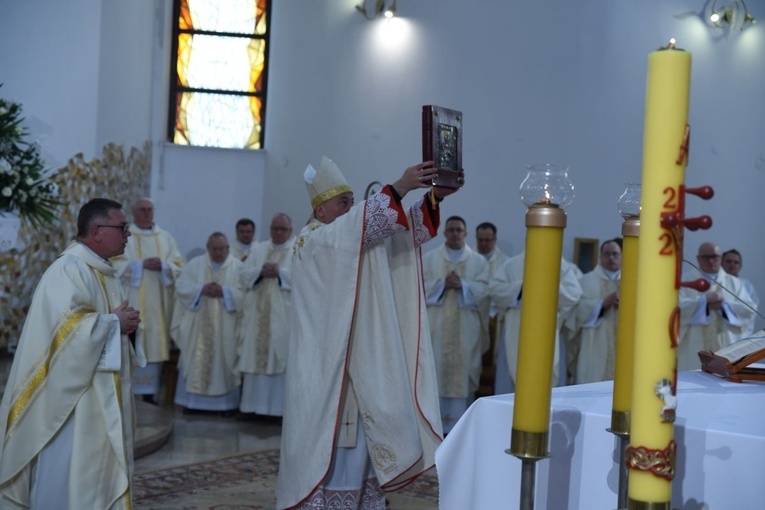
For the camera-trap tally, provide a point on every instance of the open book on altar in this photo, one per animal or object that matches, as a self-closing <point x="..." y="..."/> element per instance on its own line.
<point x="733" y="362"/>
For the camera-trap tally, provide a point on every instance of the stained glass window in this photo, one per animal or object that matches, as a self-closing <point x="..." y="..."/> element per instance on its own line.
<point x="218" y="86"/>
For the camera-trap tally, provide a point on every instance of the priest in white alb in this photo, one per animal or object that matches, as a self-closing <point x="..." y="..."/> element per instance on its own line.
<point x="486" y="245"/>
<point x="204" y="327"/>
<point x="361" y="402"/>
<point x="264" y="327"/>
<point x="507" y="291"/>
<point x="66" y="418"/>
<point x="457" y="291"/>
<point x="244" y="240"/>
<point x="713" y="319"/>
<point x="148" y="270"/>
<point x="595" y="318"/>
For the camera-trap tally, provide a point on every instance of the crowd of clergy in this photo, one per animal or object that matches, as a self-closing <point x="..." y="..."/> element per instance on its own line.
<point x="228" y="312"/>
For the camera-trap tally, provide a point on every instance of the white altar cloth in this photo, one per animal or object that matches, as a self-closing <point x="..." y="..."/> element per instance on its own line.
<point x="720" y="432"/>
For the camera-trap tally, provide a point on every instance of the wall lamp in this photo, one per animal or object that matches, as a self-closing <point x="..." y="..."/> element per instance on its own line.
<point x="371" y="9"/>
<point x="734" y="14"/>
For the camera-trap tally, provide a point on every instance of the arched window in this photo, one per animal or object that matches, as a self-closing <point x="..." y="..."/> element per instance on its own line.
<point x="219" y="75"/>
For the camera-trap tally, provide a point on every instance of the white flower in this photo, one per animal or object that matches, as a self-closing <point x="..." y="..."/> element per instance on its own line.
<point x="3" y="110"/>
<point x="22" y="196"/>
<point x="4" y="165"/>
<point x="7" y="191"/>
<point x="29" y="181"/>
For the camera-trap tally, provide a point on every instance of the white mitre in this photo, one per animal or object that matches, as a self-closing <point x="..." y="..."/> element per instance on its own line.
<point x="325" y="183"/>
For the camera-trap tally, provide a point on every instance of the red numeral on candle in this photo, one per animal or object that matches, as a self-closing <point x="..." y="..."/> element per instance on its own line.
<point x="670" y="202"/>
<point x="667" y="248"/>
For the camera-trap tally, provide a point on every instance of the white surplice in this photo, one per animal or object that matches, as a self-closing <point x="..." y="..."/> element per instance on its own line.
<point x="205" y="328"/>
<point x="264" y="328"/>
<point x="152" y="293"/>
<point x="459" y="321"/>
<point x="505" y="289"/>
<point x="710" y="330"/>
<point x="594" y="343"/>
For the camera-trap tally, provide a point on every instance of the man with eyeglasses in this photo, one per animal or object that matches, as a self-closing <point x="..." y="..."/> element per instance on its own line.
<point x="148" y="270"/>
<point x="457" y="292"/>
<point x="592" y="350"/>
<point x="66" y="418"/>
<point x="713" y="319"/>
<point x="264" y="328"/>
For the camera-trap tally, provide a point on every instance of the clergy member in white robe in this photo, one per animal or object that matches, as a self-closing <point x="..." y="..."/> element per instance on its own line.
<point x="732" y="262"/>
<point x="506" y="289"/>
<point x="486" y="245"/>
<point x="148" y="270"/>
<point x="596" y="316"/>
<point x="244" y="241"/>
<point x="457" y="291"/>
<point x="361" y="401"/>
<point x="713" y="319"/>
<point x="264" y="328"/>
<point x="209" y="297"/>
<point x="66" y="418"/>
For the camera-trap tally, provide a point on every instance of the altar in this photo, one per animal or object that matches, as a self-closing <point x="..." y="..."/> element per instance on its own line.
<point x="720" y="432"/>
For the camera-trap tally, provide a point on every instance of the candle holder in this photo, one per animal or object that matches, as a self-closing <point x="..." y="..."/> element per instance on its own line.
<point x="629" y="209"/>
<point x="546" y="191"/>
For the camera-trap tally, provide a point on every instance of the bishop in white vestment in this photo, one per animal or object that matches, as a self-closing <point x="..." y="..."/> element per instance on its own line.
<point x="204" y="326"/>
<point x="66" y="418"/>
<point x="361" y="403"/>
<point x="264" y="328"/>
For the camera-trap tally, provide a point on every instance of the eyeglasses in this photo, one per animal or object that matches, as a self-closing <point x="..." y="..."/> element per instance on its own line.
<point x="125" y="228"/>
<point x="710" y="257"/>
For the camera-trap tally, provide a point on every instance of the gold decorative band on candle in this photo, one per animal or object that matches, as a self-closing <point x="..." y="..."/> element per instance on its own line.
<point x="620" y="423"/>
<point x="660" y="463"/>
<point x="528" y="445"/>
<point x="647" y="505"/>
<point x="545" y="215"/>
<point x="631" y="227"/>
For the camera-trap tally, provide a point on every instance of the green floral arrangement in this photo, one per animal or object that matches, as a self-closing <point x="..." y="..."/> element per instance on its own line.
<point x="25" y="186"/>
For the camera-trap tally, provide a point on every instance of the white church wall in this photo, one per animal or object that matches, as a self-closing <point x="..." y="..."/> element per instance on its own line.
<point x="552" y="81"/>
<point x="560" y="82"/>
<point x="49" y="63"/>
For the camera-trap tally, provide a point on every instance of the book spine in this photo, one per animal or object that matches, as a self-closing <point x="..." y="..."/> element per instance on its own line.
<point x="427" y="133"/>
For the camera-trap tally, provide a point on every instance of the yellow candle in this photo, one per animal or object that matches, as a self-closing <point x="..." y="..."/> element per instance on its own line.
<point x="536" y="348"/>
<point x="650" y="456"/>
<point x="625" y="330"/>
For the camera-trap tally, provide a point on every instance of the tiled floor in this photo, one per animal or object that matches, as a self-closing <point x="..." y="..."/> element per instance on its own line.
<point x="193" y="438"/>
<point x="197" y="438"/>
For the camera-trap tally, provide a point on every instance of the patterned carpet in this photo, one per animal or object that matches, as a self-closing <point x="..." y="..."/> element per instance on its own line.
<point x="245" y="482"/>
